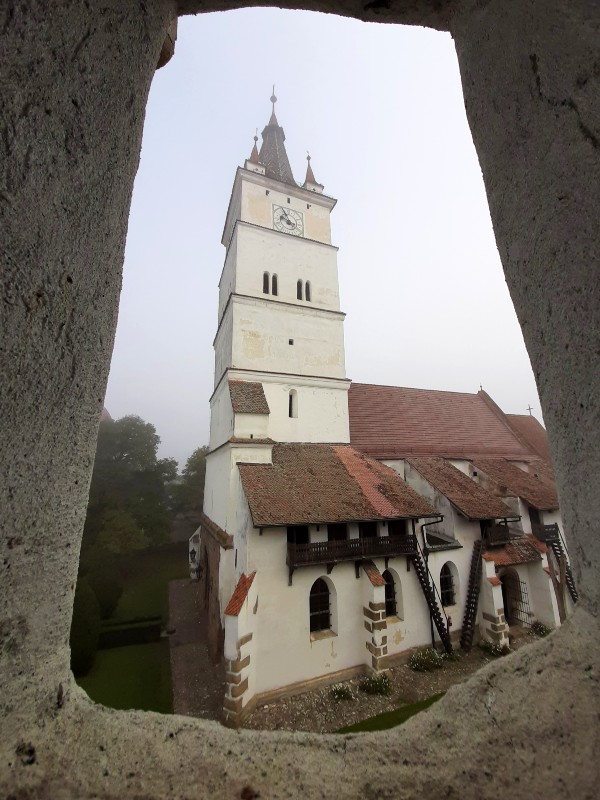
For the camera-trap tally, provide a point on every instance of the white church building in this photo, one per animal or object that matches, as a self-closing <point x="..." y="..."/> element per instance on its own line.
<point x="346" y="524"/>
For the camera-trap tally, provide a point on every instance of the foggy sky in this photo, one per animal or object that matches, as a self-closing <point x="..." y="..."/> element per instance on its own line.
<point x="380" y="109"/>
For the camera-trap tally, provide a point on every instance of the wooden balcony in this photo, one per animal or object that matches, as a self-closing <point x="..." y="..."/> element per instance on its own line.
<point x="549" y="534"/>
<point x="497" y="535"/>
<point x="303" y="555"/>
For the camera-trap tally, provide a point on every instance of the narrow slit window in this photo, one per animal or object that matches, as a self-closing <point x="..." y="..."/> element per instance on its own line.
<point x="299" y="290"/>
<point x="320" y="606"/>
<point x="293" y="404"/>
<point x="274" y="285"/>
<point x="307" y="291"/>
<point x="266" y="283"/>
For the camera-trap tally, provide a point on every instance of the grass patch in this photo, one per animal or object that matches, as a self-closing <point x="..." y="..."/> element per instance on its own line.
<point x="146" y="590"/>
<point x="390" y="719"/>
<point x="137" y="676"/>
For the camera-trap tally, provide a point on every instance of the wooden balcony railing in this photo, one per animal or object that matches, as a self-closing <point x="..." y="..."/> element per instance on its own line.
<point x="299" y="555"/>
<point x="502" y="534"/>
<point x="546" y="533"/>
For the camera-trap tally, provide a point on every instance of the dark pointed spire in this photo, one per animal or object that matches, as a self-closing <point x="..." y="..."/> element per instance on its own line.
<point x="310" y="176"/>
<point x="272" y="152"/>
<point x="254" y="154"/>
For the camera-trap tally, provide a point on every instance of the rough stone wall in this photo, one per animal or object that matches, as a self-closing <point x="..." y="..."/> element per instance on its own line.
<point x="75" y="80"/>
<point x="208" y="588"/>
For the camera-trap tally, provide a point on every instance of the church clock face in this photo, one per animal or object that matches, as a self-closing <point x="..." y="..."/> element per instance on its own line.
<point x="287" y="220"/>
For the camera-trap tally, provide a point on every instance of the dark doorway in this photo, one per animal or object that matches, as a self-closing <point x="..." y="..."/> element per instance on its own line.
<point x="337" y="532"/>
<point x="515" y="599"/>
<point x="397" y="527"/>
<point x="367" y="530"/>
<point x="298" y="534"/>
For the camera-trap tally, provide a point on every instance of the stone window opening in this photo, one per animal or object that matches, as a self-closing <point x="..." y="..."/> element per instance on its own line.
<point x="274" y="285"/>
<point x="293" y="404"/>
<point x="447" y="588"/>
<point x="390" y="595"/>
<point x="307" y="291"/>
<point x="266" y="282"/>
<point x="320" y="606"/>
<point x="299" y="290"/>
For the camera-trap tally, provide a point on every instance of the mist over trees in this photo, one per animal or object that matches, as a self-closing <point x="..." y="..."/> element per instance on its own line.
<point x="135" y="498"/>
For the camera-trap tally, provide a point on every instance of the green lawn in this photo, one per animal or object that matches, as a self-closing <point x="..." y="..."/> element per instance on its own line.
<point x="389" y="719"/>
<point x="137" y="676"/>
<point x="146" y="591"/>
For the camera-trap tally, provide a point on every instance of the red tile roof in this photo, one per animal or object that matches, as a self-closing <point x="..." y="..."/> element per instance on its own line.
<point x="248" y="397"/>
<point x="373" y="573"/>
<point x="472" y="500"/>
<point x="533" y="432"/>
<point x="222" y="537"/>
<point x="536" y="491"/>
<point x="519" y="551"/>
<point x="396" y="422"/>
<point x="240" y="593"/>
<point x="314" y="483"/>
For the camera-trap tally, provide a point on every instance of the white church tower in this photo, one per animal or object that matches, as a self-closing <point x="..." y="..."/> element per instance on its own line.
<point x="303" y="539"/>
<point x="279" y="319"/>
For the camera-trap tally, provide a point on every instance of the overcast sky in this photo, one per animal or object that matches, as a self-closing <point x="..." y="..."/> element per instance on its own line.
<point x="380" y="109"/>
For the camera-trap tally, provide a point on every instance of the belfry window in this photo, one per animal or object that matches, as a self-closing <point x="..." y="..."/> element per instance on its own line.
<point x="299" y="290"/>
<point x="293" y="404"/>
<point x="307" y="291"/>
<point x="320" y="606"/>
<point x="390" y="594"/>
<point x="447" y="590"/>
<point x="266" y="282"/>
<point x="274" y="285"/>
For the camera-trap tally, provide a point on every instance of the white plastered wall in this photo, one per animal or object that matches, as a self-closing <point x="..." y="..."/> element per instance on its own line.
<point x="221" y="416"/>
<point x="285" y="652"/>
<point x="542" y="599"/>
<point x="261" y="336"/>
<point x="291" y="258"/>
<point x="257" y="206"/>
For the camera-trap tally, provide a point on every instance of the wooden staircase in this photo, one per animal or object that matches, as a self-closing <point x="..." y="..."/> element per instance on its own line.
<point x="428" y="590"/>
<point x="553" y="538"/>
<point x="470" y="616"/>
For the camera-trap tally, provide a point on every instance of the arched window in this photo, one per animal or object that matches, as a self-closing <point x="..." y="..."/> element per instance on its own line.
<point x="320" y="606"/>
<point x="266" y="283"/>
<point x="299" y="290"/>
<point x="274" y="285"/>
<point x="307" y="291"/>
<point x="390" y="594"/>
<point x="293" y="404"/>
<point x="447" y="589"/>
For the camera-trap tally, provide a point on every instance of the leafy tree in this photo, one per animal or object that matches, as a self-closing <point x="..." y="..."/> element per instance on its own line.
<point x="120" y="533"/>
<point x="85" y="628"/>
<point x="192" y="484"/>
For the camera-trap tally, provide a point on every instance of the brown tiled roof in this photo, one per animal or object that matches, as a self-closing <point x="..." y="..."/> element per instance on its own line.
<point x="395" y="422"/>
<point x="373" y="573"/>
<point x="313" y="483"/>
<point x="240" y="593"/>
<point x="472" y="500"/>
<point x="248" y="397"/>
<point x="538" y="492"/>
<point x="519" y="551"/>
<point x="532" y="432"/>
<point x="273" y="154"/>
<point x="217" y="533"/>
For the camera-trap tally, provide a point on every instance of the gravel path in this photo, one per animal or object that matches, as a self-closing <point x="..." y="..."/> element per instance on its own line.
<point x="319" y="712"/>
<point x="198" y="684"/>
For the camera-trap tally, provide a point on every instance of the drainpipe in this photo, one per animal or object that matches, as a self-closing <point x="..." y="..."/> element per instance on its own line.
<point x="426" y="553"/>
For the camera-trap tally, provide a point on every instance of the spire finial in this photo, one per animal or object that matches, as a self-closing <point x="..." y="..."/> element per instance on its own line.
<point x="254" y="153"/>
<point x="310" y="178"/>
<point x="273" y="98"/>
